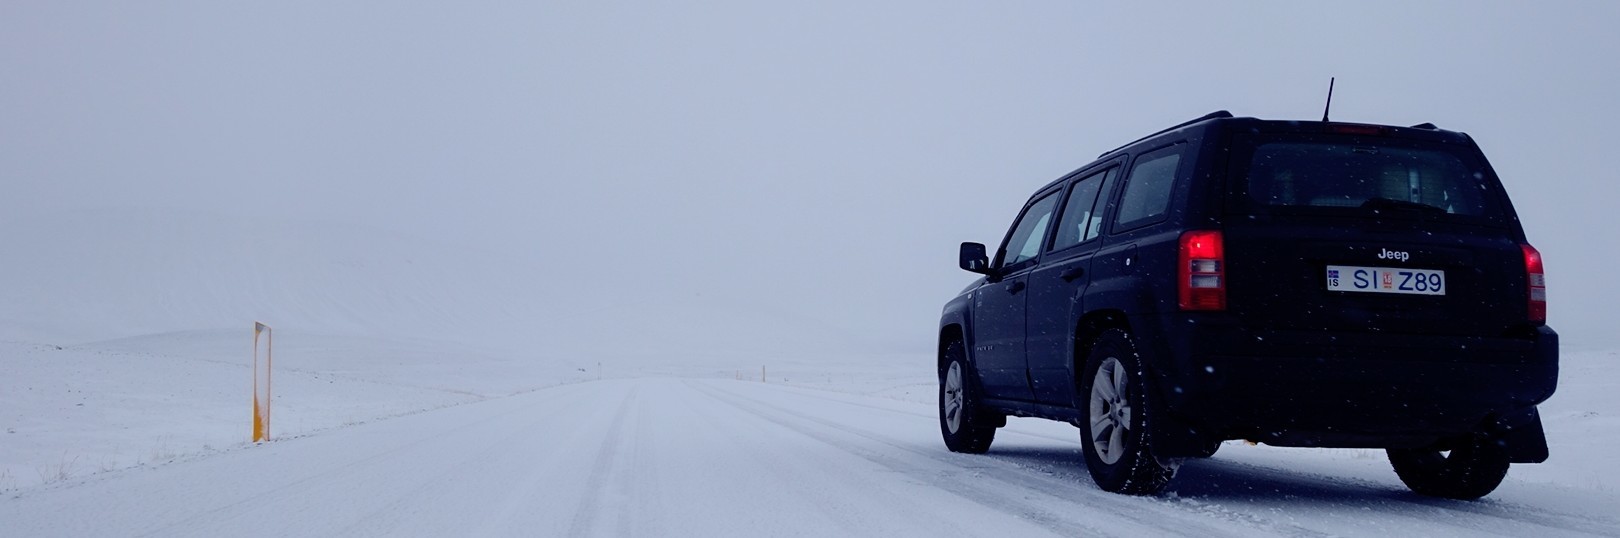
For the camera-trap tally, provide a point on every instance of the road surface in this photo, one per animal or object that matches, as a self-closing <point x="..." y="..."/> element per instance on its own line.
<point x="682" y="457"/>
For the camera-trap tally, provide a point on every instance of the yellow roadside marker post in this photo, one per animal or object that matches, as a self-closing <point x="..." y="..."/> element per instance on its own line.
<point x="261" y="408"/>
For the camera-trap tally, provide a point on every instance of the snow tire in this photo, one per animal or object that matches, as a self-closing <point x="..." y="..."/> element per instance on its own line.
<point x="1116" y="413"/>
<point x="1473" y="468"/>
<point x="965" y="425"/>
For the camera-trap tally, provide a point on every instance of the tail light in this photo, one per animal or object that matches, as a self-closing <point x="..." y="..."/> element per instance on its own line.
<point x="1538" y="284"/>
<point x="1201" y="277"/>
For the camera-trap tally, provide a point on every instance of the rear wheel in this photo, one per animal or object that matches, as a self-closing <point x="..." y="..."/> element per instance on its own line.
<point x="1470" y="470"/>
<point x="1114" y="435"/>
<point x="965" y="426"/>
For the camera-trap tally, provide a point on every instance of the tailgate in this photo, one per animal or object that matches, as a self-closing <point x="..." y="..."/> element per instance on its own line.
<point x="1279" y="275"/>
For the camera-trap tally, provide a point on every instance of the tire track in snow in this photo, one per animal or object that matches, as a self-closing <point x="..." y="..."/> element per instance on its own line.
<point x="514" y="512"/>
<point x="801" y="468"/>
<point x="1063" y="487"/>
<point x="1013" y="496"/>
<point x="849" y="399"/>
<point x="332" y="475"/>
<point x="516" y="427"/>
<point x="1497" y="517"/>
<point x="1485" y="516"/>
<point x="643" y="485"/>
<point x="607" y="456"/>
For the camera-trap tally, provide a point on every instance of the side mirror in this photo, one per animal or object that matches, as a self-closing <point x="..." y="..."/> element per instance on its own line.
<point x="973" y="259"/>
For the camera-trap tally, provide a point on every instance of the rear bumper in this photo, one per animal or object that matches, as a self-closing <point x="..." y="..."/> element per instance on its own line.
<point x="1291" y="388"/>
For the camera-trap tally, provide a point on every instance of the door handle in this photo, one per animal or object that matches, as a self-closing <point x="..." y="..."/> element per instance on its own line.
<point x="1015" y="287"/>
<point x="1072" y="273"/>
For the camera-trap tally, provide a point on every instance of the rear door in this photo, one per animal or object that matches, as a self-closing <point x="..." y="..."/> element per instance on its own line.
<point x="1372" y="232"/>
<point x="1056" y="287"/>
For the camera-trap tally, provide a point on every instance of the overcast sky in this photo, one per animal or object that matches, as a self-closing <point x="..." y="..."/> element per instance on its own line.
<point x="823" y="158"/>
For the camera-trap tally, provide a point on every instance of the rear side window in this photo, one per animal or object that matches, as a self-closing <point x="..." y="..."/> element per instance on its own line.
<point x="1147" y="191"/>
<point x="1389" y="175"/>
<point x="1082" y="213"/>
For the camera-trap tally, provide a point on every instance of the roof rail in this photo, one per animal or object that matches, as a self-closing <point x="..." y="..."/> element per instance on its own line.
<point x="1209" y="116"/>
<point x="1426" y="125"/>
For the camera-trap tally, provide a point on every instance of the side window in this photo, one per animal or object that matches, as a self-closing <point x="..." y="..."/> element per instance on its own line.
<point x="1147" y="190"/>
<point x="1025" y="241"/>
<point x="1080" y="218"/>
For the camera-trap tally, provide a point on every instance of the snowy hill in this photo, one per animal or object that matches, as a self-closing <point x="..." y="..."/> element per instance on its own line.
<point x="112" y="274"/>
<point x="98" y="275"/>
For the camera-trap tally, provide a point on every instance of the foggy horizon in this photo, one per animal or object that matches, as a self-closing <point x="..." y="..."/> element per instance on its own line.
<point x="822" y="160"/>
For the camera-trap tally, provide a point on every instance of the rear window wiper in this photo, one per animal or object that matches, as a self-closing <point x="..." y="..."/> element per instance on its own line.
<point x="1378" y="204"/>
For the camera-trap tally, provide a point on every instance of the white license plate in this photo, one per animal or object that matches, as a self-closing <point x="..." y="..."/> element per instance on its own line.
<point x="1386" y="280"/>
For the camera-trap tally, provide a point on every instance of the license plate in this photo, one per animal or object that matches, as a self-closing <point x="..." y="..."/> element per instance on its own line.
<point x="1386" y="280"/>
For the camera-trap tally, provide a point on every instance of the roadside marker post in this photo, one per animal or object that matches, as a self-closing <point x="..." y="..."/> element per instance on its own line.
<point x="261" y="407"/>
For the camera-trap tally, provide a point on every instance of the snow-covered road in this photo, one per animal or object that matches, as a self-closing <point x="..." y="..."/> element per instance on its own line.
<point x="683" y="457"/>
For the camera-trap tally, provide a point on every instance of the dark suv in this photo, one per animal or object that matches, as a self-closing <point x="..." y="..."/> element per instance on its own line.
<point x="1312" y="284"/>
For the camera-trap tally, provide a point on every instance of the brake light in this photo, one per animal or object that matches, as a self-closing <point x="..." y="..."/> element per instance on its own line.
<point x="1537" y="278"/>
<point x="1367" y="130"/>
<point x="1201" y="275"/>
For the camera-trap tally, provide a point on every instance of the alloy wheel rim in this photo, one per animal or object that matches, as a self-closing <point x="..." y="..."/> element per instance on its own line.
<point x="1110" y="410"/>
<point x="953" y="397"/>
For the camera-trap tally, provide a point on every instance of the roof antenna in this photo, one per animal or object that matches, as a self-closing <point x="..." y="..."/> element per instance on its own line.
<point x="1330" y="100"/>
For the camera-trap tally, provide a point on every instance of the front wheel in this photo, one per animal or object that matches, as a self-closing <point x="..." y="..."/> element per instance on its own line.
<point x="965" y="426"/>
<point x="1115" y="436"/>
<point x="1470" y="470"/>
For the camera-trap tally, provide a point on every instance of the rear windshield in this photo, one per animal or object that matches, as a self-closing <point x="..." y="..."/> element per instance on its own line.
<point x="1345" y="175"/>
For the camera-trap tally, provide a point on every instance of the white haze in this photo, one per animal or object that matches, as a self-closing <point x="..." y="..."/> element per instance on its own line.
<point x="816" y="161"/>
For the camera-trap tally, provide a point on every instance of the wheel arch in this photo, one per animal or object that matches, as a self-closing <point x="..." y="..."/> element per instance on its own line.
<point x="1175" y="438"/>
<point x="950" y="332"/>
<point x="1088" y="328"/>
